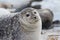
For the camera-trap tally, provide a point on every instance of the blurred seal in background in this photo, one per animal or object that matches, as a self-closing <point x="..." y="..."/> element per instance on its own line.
<point x="6" y="5"/>
<point x="47" y="18"/>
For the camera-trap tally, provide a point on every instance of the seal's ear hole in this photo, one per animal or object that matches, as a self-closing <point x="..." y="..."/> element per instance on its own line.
<point x="27" y="15"/>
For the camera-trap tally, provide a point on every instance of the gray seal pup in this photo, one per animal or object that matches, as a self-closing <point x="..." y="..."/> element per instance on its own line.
<point x="47" y="18"/>
<point x="25" y="25"/>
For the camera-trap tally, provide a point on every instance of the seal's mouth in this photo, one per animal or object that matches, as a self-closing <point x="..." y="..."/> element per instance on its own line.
<point x="33" y="21"/>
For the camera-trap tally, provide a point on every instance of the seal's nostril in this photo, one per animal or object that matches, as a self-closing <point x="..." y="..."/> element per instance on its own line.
<point x="35" y="17"/>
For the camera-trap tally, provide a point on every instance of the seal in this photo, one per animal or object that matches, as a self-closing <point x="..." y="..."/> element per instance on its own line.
<point x="6" y="5"/>
<point x="25" y="25"/>
<point x="47" y="18"/>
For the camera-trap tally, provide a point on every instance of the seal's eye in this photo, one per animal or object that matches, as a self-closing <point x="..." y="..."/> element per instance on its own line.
<point x="34" y="12"/>
<point x="27" y="15"/>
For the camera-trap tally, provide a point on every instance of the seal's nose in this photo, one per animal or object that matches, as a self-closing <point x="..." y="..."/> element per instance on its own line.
<point x="34" y="17"/>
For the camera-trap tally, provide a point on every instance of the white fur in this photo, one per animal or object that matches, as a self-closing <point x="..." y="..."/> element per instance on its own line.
<point x="31" y="31"/>
<point x="33" y="34"/>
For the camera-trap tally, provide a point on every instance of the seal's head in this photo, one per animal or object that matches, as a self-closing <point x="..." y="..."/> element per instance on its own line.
<point x="29" y="17"/>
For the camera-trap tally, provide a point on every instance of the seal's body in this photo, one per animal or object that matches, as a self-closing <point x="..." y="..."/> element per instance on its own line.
<point x="47" y="18"/>
<point x="26" y="25"/>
